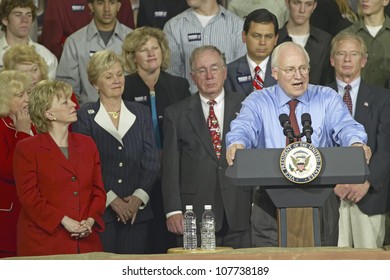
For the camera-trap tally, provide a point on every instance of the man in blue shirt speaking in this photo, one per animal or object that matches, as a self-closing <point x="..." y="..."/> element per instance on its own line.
<point x="257" y="125"/>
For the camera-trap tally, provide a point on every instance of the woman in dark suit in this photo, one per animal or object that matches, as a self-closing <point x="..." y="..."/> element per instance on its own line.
<point x="123" y="133"/>
<point x="15" y="125"/>
<point x="146" y="53"/>
<point x="58" y="180"/>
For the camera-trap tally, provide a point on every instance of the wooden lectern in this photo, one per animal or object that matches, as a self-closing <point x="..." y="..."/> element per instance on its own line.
<point x="260" y="167"/>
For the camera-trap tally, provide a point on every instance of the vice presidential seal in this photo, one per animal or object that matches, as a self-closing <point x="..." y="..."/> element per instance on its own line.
<point x="300" y="162"/>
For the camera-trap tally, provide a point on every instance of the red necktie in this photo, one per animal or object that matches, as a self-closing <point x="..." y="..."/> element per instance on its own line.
<point x="215" y="131"/>
<point x="347" y="97"/>
<point x="293" y="118"/>
<point x="257" y="82"/>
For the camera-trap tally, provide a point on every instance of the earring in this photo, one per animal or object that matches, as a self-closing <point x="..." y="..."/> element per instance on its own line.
<point x="54" y="119"/>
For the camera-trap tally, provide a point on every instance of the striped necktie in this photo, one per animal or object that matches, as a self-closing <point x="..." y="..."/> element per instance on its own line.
<point x="257" y="82"/>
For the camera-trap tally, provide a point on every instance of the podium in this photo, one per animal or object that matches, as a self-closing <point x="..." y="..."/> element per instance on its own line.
<point x="260" y="167"/>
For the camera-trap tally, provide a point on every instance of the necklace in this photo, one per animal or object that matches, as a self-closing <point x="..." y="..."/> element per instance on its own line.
<point x="114" y="114"/>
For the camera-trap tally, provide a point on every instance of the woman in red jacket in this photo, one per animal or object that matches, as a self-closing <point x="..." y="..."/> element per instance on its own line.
<point x="58" y="180"/>
<point x="15" y="125"/>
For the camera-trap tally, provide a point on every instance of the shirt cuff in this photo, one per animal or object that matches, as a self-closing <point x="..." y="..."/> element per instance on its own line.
<point x="141" y="194"/>
<point x="110" y="197"/>
<point x="173" y="213"/>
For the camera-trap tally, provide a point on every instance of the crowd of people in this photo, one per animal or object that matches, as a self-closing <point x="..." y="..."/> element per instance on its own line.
<point x="115" y="120"/>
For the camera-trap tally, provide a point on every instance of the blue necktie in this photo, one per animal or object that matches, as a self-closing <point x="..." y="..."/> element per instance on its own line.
<point x="155" y="119"/>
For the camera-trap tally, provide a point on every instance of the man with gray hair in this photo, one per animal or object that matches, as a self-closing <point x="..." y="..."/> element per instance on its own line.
<point x="363" y="206"/>
<point x="194" y="161"/>
<point x="255" y="126"/>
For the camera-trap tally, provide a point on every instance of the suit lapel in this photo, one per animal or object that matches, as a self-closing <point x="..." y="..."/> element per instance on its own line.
<point x="363" y="103"/>
<point x="55" y="153"/>
<point x="268" y="79"/>
<point x="197" y="120"/>
<point x="242" y="71"/>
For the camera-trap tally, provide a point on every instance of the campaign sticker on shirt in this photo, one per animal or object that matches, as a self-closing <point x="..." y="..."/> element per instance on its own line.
<point x="244" y="79"/>
<point x="194" y="37"/>
<point x="300" y="162"/>
<point x="91" y="53"/>
<point x="160" y="14"/>
<point x="78" y="8"/>
<point x="140" y="98"/>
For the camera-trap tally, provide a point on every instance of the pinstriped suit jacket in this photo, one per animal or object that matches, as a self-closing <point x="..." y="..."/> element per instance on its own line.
<point x="128" y="163"/>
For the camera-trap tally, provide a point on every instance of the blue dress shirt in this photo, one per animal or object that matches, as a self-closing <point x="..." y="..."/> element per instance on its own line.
<point x="258" y="126"/>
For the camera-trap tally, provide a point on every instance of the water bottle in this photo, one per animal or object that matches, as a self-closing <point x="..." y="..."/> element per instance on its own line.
<point x="189" y="225"/>
<point x="208" y="229"/>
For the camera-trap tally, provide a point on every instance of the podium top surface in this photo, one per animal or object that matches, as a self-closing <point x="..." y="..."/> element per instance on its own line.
<point x="261" y="167"/>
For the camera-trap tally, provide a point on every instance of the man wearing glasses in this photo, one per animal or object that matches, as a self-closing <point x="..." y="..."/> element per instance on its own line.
<point x="194" y="154"/>
<point x="257" y="125"/>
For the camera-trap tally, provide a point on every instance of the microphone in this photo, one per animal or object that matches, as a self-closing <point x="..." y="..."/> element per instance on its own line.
<point x="307" y="130"/>
<point x="287" y="129"/>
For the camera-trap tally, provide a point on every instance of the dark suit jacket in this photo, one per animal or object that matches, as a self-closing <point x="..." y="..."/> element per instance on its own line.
<point x="373" y="112"/>
<point x="240" y="69"/>
<point x="156" y="13"/>
<point x="50" y="186"/>
<point x="169" y="89"/>
<point x="192" y="173"/>
<point x="128" y="163"/>
<point x="318" y="48"/>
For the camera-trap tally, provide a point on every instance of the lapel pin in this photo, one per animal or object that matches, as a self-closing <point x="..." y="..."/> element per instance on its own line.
<point x="91" y="111"/>
<point x="365" y="104"/>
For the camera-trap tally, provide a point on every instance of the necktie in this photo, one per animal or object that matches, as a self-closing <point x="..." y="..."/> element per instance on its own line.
<point x="347" y="97"/>
<point x="257" y="82"/>
<point x="155" y="119"/>
<point x="215" y="131"/>
<point x="293" y="118"/>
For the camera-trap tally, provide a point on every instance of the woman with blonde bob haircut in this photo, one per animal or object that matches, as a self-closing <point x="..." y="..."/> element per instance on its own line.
<point x="15" y="125"/>
<point x="147" y="56"/>
<point x="123" y="134"/>
<point x="58" y="180"/>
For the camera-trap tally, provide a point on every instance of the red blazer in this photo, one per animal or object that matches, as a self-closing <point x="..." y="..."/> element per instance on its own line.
<point x="9" y="204"/>
<point x="49" y="186"/>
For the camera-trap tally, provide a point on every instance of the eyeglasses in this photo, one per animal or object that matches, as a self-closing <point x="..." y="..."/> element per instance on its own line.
<point x="344" y="54"/>
<point x="202" y="72"/>
<point x="290" y="71"/>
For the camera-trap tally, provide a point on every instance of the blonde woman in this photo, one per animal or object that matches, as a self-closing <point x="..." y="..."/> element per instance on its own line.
<point x="26" y="59"/>
<point x="58" y="179"/>
<point x="124" y="136"/>
<point x="15" y="125"/>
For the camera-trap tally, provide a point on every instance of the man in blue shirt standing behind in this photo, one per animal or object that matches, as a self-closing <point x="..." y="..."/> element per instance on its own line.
<point x="257" y="125"/>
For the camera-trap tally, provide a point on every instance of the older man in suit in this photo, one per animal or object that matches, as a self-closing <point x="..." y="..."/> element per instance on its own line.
<point x="194" y="154"/>
<point x="253" y="70"/>
<point x="362" y="208"/>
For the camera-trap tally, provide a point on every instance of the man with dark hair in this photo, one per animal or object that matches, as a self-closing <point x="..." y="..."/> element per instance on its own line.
<point x="103" y="32"/>
<point x="17" y="17"/>
<point x="260" y="35"/>
<point x="315" y="41"/>
<point x="64" y="17"/>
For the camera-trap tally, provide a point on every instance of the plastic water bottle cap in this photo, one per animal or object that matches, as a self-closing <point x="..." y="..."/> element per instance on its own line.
<point x="207" y="207"/>
<point x="188" y="207"/>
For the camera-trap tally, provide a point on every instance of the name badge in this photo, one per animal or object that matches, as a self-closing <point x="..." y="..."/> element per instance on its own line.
<point x="140" y="98"/>
<point x="194" y="37"/>
<point x="244" y="79"/>
<point x="91" y="53"/>
<point x="78" y="8"/>
<point x="160" y="14"/>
